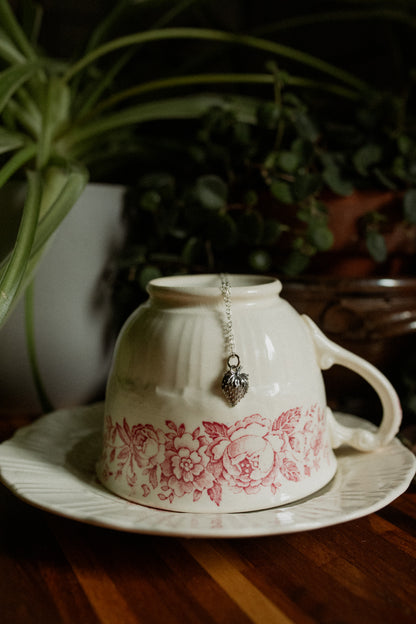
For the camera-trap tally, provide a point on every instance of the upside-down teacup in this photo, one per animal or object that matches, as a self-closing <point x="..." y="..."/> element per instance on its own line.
<point x="172" y="441"/>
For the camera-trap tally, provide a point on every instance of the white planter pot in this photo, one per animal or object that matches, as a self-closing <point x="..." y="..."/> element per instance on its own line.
<point x="72" y="310"/>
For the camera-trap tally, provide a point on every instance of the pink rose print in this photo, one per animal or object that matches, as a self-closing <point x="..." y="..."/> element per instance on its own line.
<point x="243" y="455"/>
<point x="253" y="453"/>
<point x="184" y="469"/>
<point x="142" y="446"/>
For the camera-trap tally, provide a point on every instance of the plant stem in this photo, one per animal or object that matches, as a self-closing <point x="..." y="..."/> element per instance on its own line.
<point x="43" y="398"/>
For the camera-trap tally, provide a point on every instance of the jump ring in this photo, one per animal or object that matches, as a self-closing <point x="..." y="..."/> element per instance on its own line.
<point x="233" y="355"/>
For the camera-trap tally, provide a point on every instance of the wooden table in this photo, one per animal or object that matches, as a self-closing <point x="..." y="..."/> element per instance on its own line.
<point x="54" y="570"/>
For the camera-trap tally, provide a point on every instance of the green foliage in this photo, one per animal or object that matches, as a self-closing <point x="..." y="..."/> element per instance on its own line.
<point x="62" y="121"/>
<point x="243" y="167"/>
<point x="257" y="205"/>
<point x="233" y="204"/>
<point x="210" y="193"/>
<point x="376" y="245"/>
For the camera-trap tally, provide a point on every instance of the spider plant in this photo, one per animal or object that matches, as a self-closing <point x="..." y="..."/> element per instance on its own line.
<point x="56" y="115"/>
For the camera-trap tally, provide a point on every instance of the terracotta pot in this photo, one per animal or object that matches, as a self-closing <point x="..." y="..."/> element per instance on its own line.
<point x="349" y="255"/>
<point x="374" y="318"/>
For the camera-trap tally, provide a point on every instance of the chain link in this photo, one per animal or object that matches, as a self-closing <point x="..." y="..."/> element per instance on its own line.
<point x="228" y="326"/>
<point x="234" y="382"/>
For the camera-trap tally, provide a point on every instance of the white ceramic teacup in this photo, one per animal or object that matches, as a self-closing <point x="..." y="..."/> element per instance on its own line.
<point x="172" y="441"/>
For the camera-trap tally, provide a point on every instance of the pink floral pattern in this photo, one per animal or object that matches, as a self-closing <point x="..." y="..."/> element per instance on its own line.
<point x="251" y="454"/>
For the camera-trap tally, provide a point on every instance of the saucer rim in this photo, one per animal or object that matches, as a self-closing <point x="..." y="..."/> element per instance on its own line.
<point x="64" y="425"/>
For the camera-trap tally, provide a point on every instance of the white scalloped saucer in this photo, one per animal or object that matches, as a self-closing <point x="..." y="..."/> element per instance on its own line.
<point x="51" y="465"/>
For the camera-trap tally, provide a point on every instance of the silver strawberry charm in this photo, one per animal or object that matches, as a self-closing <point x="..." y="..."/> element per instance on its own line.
<point x="234" y="383"/>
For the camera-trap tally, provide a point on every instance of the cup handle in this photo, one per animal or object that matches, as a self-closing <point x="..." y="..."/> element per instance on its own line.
<point x="329" y="353"/>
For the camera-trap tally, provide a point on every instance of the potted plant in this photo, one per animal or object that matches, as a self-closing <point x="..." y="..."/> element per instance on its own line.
<point x="61" y="119"/>
<point x="276" y="194"/>
<point x="269" y="195"/>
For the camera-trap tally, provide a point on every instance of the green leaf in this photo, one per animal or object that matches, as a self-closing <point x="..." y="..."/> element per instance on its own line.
<point x="306" y="127"/>
<point x="104" y="26"/>
<point x="14" y="30"/>
<point x="405" y="144"/>
<point x="336" y="182"/>
<point x="25" y="108"/>
<point x="376" y="245"/>
<point x="59" y="193"/>
<point x="321" y="236"/>
<point x="306" y="185"/>
<point x="211" y="192"/>
<point x="216" y="121"/>
<point x="295" y="263"/>
<point x="160" y="181"/>
<point x="399" y="168"/>
<point x="148" y="273"/>
<point x="12" y="78"/>
<point x="287" y="161"/>
<point x="201" y="34"/>
<point x="293" y="101"/>
<point x="16" y="161"/>
<point x="56" y="109"/>
<point x="384" y="179"/>
<point x="10" y="141"/>
<point x="303" y="149"/>
<point x="71" y="186"/>
<point x="8" y="50"/>
<point x="282" y="191"/>
<point x="12" y="275"/>
<point x="30" y="18"/>
<point x="242" y="134"/>
<point x="193" y="252"/>
<point x="190" y="107"/>
<point x="366" y="157"/>
<point x="150" y="201"/>
<point x="268" y="115"/>
<point x="409" y="205"/>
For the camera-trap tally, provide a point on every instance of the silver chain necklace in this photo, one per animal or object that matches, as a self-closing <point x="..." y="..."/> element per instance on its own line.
<point x="235" y="382"/>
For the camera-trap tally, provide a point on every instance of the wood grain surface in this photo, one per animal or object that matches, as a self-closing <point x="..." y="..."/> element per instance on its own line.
<point x="54" y="570"/>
